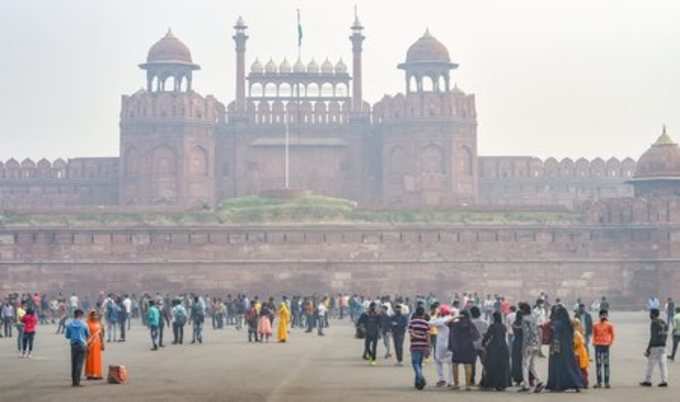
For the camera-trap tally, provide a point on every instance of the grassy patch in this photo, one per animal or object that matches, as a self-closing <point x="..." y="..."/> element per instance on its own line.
<point x="313" y="209"/>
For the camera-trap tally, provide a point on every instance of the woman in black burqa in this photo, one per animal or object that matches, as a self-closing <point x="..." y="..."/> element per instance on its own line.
<point x="496" y="357"/>
<point x="563" y="371"/>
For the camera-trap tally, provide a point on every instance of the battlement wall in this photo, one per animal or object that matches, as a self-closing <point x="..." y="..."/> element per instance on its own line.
<point x="628" y="261"/>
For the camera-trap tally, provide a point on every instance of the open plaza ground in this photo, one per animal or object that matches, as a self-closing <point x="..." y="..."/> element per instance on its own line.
<point x="308" y="368"/>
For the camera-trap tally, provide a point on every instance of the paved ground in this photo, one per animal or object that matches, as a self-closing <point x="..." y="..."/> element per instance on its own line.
<point x="309" y="368"/>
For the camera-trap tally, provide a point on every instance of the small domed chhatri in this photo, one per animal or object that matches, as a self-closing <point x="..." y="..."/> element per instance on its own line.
<point x="340" y="67"/>
<point x="284" y="68"/>
<point x="169" y="50"/>
<point x="662" y="159"/>
<point x="327" y="67"/>
<point x="257" y="68"/>
<point x="658" y="170"/>
<point x="270" y="67"/>
<point x="427" y="49"/>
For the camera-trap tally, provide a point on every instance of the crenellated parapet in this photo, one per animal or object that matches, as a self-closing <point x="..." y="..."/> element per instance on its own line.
<point x="425" y="106"/>
<point x="77" y="168"/>
<point x="509" y="167"/>
<point x="180" y="107"/>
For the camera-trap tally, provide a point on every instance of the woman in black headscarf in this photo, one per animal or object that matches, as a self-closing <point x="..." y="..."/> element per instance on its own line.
<point x="563" y="371"/>
<point x="497" y="356"/>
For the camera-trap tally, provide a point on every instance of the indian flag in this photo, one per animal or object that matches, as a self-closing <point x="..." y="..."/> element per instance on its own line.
<point x="299" y="28"/>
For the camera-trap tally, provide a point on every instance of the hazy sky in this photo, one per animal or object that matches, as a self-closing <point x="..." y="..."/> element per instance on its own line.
<point x="552" y="78"/>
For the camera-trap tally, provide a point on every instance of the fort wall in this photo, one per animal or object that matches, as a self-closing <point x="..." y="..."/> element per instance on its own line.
<point x="626" y="262"/>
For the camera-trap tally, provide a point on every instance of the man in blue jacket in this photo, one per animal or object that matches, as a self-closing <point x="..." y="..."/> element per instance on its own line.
<point x="77" y="333"/>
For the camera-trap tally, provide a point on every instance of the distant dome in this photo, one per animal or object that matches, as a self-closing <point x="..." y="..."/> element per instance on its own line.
<point x="299" y="67"/>
<point x="427" y="49"/>
<point x="327" y="67"/>
<point x="270" y="68"/>
<point x="256" y="67"/>
<point x="662" y="159"/>
<point x="313" y="67"/>
<point x="340" y="67"/>
<point x="169" y="50"/>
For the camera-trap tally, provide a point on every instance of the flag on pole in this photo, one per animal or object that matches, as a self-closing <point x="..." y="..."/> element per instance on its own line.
<point x="299" y="28"/>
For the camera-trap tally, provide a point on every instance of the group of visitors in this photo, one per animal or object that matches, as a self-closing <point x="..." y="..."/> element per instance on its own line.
<point x="507" y="340"/>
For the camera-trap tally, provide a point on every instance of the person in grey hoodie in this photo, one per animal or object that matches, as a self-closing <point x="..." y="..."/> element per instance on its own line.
<point x="482" y="326"/>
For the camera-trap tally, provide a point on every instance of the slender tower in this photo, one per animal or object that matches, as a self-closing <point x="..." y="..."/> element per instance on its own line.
<point x="357" y="39"/>
<point x="240" y="38"/>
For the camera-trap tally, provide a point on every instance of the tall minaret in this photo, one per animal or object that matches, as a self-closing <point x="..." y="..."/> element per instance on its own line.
<point x="240" y="38"/>
<point x="357" y="39"/>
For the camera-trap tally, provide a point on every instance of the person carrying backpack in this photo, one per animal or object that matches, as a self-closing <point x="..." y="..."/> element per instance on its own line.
<point x="179" y="319"/>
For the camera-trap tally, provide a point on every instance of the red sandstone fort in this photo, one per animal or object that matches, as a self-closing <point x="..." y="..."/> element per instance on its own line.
<point x="417" y="149"/>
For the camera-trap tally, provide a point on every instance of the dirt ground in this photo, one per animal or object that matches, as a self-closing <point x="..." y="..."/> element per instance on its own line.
<point x="308" y="368"/>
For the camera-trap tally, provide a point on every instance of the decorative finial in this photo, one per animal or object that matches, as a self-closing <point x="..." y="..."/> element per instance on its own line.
<point x="664" y="138"/>
<point x="427" y="33"/>
<point x="357" y="23"/>
<point x="169" y="33"/>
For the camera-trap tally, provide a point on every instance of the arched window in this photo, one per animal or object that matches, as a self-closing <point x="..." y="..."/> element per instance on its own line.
<point x="467" y="162"/>
<point x="199" y="161"/>
<point x="433" y="160"/>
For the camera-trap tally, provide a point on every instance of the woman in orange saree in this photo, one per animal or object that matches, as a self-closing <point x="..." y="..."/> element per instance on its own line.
<point x="95" y="346"/>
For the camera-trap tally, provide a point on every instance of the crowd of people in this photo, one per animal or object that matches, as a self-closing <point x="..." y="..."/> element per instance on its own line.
<point x="505" y="338"/>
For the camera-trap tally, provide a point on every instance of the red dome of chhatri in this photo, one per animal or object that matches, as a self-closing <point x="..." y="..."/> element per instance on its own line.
<point x="169" y="50"/>
<point x="662" y="159"/>
<point x="427" y="49"/>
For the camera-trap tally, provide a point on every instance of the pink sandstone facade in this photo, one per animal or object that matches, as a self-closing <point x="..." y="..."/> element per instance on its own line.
<point x="184" y="150"/>
<point x="181" y="150"/>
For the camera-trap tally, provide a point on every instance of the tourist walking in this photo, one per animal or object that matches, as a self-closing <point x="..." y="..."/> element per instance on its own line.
<point x="463" y="335"/>
<point x="370" y="322"/>
<point x="580" y="351"/>
<point x="420" y="344"/>
<point x="482" y="326"/>
<point x="516" y="341"/>
<point x="264" y="324"/>
<point x="197" y="319"/>
<point x="284" y="319"/>
<point x="442" y="354"/>
<point x="603" y="338"/>
<point x="7" y="317"/>
<point x="179" y="319"/>
<point x="19" y="325"/>
<point x="153" y="320"/>
<point x="586" y="323"/>
<point x="676" y="333"/>
<point x="251" y="319"/>
<point x="530" y="342"/>
<point x="321" y="317"/>
<point x="398" y="325"/>
<point x="563" y="371"/>
<point x="30" y="322"/>
<point x="95" y="347"/>
<point x="386" y="330"/>
<point x="496" y="357"/>
<point x="656" y="349"/>
<point x="77" y="333"/>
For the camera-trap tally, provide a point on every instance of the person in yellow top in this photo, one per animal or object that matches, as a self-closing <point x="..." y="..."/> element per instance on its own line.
<point x="21" y="312"/>
<point x="580" y="351"/>
<point x="284" y="318"/>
